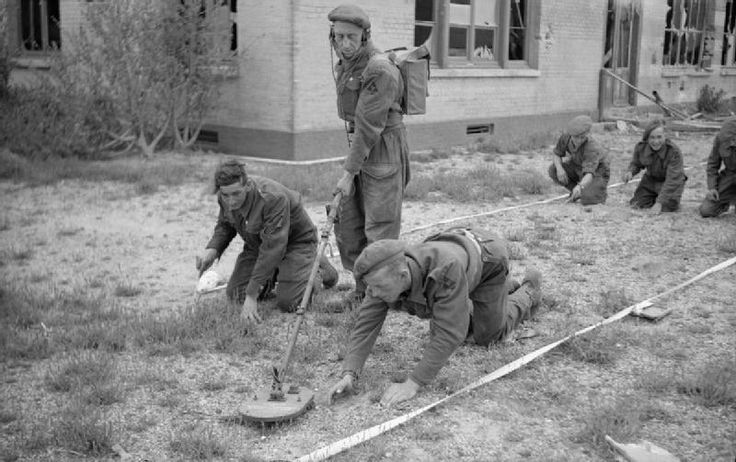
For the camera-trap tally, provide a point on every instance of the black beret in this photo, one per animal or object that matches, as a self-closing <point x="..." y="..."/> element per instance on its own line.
<point x="579" y="125"/>
<point x="376" y="256"/>
<point x="352" y="14"/>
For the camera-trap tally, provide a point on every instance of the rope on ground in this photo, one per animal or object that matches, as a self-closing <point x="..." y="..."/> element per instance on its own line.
<point x="369" y="433"/>
<point x="504" y="209"/>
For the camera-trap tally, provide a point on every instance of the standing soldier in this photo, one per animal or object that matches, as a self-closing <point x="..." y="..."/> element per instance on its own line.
<point x="580" y="164"/>
<point x="369" y="91"/>
<point x="721" y="182"/>
<point x="458" y="280"/>
<point x="664" y="180"/>
<point x="280" y="240"/>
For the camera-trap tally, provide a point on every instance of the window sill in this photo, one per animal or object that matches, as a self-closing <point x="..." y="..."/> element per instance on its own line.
<point x="728" y="71"/>
<point x="686" y="71"/>
<point x="476" y="72"/>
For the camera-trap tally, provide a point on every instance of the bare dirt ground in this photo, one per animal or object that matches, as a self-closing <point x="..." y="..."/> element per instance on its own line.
<point x="595" y="260"/>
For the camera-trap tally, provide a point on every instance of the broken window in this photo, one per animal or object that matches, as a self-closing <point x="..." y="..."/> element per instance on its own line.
<point x="39" y="25"/>
<point x="479" y="32"/>
<point x="688" y="33"/>
<point x="728" y="53"/>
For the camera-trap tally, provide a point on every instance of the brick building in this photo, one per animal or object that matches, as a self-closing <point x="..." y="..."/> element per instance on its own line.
<point x="500" y="68"/>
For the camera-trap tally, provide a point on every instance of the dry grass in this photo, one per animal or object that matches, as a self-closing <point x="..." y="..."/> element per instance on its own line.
<point x="176" y="366"/>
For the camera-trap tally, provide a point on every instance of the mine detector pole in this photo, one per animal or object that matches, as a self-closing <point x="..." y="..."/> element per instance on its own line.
<point x="279" y="374"/>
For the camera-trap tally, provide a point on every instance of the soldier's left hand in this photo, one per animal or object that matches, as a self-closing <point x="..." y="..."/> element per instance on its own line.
<point x="249" y="314"/>
<point x="399" y="392"/>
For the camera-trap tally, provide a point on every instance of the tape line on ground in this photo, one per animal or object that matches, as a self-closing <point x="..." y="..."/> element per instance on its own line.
<point x="505" y="209"/>
<point x="369" y="433"/>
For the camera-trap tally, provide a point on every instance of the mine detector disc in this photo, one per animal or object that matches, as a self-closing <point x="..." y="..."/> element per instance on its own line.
<point x="266" y="406"/>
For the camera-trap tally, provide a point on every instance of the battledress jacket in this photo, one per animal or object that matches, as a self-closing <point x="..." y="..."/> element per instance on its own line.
<point x="664" y="166"/>
<point x="723" y="152"/>
<point x="271" y="218"/>
<point x="370" y="98"/>
<point x="589" y="157"/>
<point x="443" y="274"/>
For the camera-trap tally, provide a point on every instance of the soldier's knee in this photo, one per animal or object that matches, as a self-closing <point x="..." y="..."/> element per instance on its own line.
<point x="552" y="172"/>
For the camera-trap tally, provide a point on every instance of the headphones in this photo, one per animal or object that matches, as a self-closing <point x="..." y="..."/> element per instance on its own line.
<point x="364" y="38"/>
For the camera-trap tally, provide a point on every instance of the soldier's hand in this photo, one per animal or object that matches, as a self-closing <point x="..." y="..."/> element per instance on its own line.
<point x="249" y="314"/>
<point x="345" y="385"/>
<point x="712" y="195"/>
<point x="577" y="191"/>
<point x="204" y="261"/>
<point x="626" y="177"/>
<point x="345" y="185"/>
<point x="399" y="392"/>
<point x="562" y="175"/>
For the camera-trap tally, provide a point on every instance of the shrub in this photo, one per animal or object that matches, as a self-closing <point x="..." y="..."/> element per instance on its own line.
<point x="710" y="99"/>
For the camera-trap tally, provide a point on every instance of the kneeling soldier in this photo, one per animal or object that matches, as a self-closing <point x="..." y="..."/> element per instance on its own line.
<point x="280" y="240"/>
<point x="458" y="279"/>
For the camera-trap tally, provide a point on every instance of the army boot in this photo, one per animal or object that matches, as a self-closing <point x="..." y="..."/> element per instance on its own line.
<point x="328" y="273"/>
<point x="533" y="282"/>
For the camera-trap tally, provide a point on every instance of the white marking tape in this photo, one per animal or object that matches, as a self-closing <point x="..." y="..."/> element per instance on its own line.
<point x="505" y="209"/>
<point x="364" y="435"/>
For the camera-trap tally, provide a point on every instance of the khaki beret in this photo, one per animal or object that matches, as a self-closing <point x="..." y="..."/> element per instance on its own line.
<point x="579" y="125"/>
<point x="352" y="14"/>
<point x="376" y="256"/>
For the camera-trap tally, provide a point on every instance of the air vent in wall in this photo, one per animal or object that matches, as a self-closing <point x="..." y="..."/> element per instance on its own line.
<point x="479" y="129"/>
<point x="208" y="136"/>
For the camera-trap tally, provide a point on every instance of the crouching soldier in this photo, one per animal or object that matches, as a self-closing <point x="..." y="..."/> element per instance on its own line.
<point x="580" y="164"/>
<point x="721" y="181"/>
<point x="458" y="279"/>
<point x="280" y="240"/>
<point x="664" y="180"/>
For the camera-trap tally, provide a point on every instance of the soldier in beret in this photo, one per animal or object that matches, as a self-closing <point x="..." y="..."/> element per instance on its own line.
<point x="664" y="180"/>
<point x="458" y="279"/>
<point x="721" y="181"/>
<point x="369" y="92"/>
<point x="279" y="240"/>
<point x="580" y="164"/>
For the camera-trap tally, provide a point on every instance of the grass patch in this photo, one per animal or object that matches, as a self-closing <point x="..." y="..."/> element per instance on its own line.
<point x="484" y="183"/>
<point x="68" y="231"/>
<point x="92" y="374"/>
<point x="598" y="347"/>
<point x="620" y="420"/>
<point x="726" y="243"/>
<point x="126" y="289"/>
<point x="197" y="443"/>
<point x="527" y="142"/>
<point x="714" y="384"/>
<point x="612" y="301"/>
<point x="20" y="255"/>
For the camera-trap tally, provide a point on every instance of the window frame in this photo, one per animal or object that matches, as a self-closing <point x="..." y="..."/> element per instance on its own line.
<point x="44" y="15"/>
<point x="701" y="25"/>
<point x="439" y="37"/>
<point x="728" y="56"/>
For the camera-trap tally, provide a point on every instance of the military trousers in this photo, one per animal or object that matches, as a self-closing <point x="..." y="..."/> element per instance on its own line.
<point x="649" y="190"/>
<point x="500" y="304"/>
<point x="595" y="193"/>
<point x="373" y="211"/>
<point x="726" y="196"/>
<point x="292" y="275"/>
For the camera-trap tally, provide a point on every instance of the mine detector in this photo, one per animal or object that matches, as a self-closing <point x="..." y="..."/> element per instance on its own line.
<point x="284" y="401"/>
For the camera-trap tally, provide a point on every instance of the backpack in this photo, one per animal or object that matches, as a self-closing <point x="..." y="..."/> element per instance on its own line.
<point x="414" y="68"/>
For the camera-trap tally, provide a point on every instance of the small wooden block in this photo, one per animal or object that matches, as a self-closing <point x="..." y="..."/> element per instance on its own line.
<point x="652" y="313"/>
<point x="260" y="408"/>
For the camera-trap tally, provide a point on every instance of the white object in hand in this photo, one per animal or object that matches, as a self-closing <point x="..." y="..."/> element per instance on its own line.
<point x="209" y="282"/>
